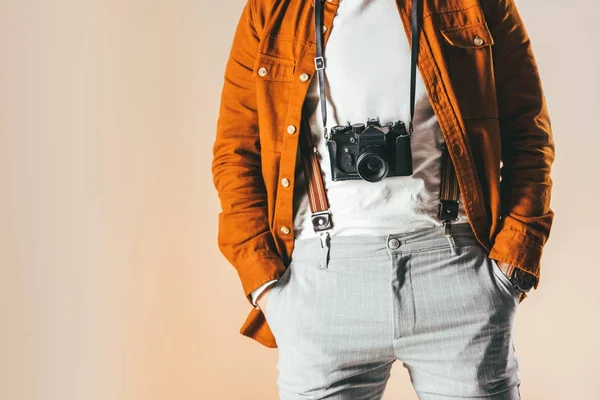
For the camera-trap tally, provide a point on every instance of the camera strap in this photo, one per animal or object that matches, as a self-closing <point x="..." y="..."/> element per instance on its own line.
<point x="319" y="205"/>
<point x="449" y="194"/>
<point x="317" y="197"/>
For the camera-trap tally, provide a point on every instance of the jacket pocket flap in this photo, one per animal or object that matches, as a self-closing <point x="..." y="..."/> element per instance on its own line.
<point x="274" y="68"/>
<point x="469" y="36"/>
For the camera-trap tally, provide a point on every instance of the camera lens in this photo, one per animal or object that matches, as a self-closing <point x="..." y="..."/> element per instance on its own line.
<point x="371" y="166"/>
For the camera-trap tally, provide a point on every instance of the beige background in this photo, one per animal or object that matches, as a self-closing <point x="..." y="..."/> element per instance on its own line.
<point x="111" y="284"/>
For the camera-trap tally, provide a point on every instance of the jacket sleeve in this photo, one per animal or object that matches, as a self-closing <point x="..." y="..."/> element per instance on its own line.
<point x="527" y="143"/>
<point x="244" y="237"/>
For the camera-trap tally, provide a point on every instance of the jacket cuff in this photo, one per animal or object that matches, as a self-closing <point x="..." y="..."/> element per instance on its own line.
<point x="518" y="249"/>
<point x="258" y="271"/>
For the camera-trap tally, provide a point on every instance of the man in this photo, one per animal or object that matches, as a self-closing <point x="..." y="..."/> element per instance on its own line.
<point x="351" y="265"/>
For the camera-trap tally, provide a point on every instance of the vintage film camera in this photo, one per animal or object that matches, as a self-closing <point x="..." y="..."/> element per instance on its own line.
<point x="372" y="152"/>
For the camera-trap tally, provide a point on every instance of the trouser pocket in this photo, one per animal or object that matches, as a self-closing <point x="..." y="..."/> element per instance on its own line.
<point x="492" y="276"/>
<point x="274" y="290"/>
<point x="503" y="280"/>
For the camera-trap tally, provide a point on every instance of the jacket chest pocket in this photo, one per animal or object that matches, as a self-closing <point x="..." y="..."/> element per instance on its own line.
<point x="273" y="68"/>
<point x="469" y="52"/>
<point x="274" y="77"/>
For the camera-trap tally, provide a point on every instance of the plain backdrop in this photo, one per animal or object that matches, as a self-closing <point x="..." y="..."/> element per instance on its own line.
<point x="111" y="283"/>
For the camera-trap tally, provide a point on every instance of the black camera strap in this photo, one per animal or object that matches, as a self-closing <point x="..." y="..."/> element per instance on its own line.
<point x="414" y="56"/>
<point x="320" y="61"/>
<point x="319" y="205"/>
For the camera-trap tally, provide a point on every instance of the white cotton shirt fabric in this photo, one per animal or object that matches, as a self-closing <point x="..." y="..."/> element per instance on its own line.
<point x="367" y="75"/>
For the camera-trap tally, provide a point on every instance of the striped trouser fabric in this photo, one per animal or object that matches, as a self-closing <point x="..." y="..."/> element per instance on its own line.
<point x="343" y="314"/>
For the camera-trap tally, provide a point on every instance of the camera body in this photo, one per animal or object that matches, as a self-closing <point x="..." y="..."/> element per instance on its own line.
<point x="370" y="152"/>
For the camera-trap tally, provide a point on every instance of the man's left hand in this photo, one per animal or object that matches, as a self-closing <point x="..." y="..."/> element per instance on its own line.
<point x="505" y="267"/>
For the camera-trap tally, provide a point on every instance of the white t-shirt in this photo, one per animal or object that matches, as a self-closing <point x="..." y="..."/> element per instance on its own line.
<point x="367" y="74"/>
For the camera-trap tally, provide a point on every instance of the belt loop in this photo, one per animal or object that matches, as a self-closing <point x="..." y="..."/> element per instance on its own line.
<point x="448" y="235"/>
<point x="326" y="246"/>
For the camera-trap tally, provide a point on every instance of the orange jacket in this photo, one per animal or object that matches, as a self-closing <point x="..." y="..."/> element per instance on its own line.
<point x="483" y="84"/>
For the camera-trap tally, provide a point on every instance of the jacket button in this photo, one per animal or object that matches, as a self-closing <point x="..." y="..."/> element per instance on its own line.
<point x="285" y="230"/>
<point x="478" y="41"/>
<point x="394" y="243"/>
<point x="304" y="77"/>
<point x="291" y="129"/>
<point x="262" y="71"/>
<point x="285" y="182"/>
<point x="324" y="29"/>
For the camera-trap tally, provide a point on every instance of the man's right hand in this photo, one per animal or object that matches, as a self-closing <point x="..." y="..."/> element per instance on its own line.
<point x="261" y="301"/>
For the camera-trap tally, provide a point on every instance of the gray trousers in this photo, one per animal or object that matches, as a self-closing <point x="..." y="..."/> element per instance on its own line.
<point x="344" y="313"/>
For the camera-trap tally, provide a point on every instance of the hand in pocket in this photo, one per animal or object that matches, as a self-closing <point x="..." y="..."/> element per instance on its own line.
<point x="507" y="267"/>
<point x="262" y="298"/>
